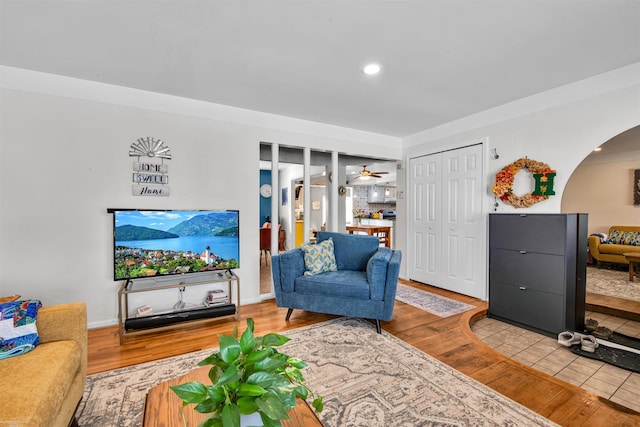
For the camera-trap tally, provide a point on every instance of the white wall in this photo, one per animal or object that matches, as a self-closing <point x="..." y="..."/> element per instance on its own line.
<point x="603" y="186"/>
<point x="64" y="161"/>
<point x="559" y="127"/>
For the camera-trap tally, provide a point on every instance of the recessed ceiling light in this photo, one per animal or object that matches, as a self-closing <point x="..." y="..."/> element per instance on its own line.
<point x="597" y="149"/>
<point x="371" y="69"/>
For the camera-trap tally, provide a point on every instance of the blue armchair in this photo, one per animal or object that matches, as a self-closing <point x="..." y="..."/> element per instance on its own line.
<point x="364" y="284"/>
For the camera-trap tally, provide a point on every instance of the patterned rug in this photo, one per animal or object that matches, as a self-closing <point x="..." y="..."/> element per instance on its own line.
<point x="613" y="283"/>
<point x="367" y="379"/>
<point x="434" y="304"/>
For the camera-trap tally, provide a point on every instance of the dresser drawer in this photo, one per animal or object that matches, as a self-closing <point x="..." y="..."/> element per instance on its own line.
<point x="536" y="309"/>
<point x="537" y="271"/>
<point x="544" y="233"/>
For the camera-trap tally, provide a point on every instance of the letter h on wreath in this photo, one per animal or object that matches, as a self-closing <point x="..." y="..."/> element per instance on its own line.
<point x="544" y="184"/>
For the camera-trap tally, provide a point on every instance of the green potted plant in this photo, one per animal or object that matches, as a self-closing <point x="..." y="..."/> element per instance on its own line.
<point x="248" y="376"/>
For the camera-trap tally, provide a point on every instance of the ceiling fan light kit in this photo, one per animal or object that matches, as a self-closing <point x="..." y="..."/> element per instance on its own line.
<point x="366" y="174"/>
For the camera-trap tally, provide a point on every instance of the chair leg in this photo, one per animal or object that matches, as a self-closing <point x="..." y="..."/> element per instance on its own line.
<point x="378" y="328"/>
<point x="288" y="314"/>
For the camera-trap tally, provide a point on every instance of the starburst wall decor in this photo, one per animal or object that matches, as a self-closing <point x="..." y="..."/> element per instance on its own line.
<point x="149" y="147"/>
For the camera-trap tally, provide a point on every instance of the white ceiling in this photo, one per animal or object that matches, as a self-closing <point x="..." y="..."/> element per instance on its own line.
<point x="442" y="59"/>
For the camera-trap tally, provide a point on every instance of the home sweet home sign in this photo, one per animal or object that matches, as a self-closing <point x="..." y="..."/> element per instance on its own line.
<point x="150" y="177"/>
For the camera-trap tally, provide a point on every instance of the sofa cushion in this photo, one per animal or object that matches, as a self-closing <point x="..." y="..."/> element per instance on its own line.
<point x="619" y="237"/>
<point x="352" y="251"/>
<point x="36" y="383"/>
<point x="18" y="332"/>
<point x="617" y="249"/>
<point x="341" y="284"/>
<point x="319" y="258"/>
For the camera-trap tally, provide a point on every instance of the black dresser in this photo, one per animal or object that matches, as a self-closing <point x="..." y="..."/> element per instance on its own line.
<point x="537" y="270"/>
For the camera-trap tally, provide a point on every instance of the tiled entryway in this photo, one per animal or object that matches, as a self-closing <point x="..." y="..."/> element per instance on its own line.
<point x="545" y="354"/>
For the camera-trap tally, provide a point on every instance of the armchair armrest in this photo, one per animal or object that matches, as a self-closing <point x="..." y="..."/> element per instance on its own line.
<point x="286" y="267"/>
<point x="65" y="322"/>
<point x="377" y="272"/>
<point x="393" y="272"/>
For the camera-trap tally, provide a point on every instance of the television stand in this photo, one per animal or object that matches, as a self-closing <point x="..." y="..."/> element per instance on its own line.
<point x="128" y="325"/>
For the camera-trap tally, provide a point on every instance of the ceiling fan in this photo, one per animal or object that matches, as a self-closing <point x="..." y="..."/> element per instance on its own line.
<point x="366" y="174"/>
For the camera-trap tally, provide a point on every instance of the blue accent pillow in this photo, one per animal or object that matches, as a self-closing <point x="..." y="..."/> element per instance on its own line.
<point x="319" y="258"/>
<point x="18" y="333"/>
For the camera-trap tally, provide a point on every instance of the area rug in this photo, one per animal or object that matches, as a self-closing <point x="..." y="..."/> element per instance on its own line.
<point x="433" y="303"/>
<point x="367" y="379"/>
<point x="613" y="283"/>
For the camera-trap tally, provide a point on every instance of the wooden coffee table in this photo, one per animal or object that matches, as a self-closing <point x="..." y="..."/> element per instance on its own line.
<point x="634" y="261"/>
<point x="163" y="406"/>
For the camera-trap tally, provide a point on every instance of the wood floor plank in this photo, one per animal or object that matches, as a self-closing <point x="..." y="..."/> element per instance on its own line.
<point x="450" y="340"/>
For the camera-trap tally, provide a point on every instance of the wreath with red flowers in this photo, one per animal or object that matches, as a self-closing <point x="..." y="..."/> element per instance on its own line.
<point x="503" y="187"/>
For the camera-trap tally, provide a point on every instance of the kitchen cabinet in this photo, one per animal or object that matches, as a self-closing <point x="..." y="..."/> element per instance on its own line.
<point x="381" y="194"/>
<point x="375" y="194"/>
<point x="390" y="194"/>
<point x="537" y="270"/>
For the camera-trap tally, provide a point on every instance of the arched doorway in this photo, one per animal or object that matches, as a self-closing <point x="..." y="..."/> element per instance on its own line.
<point x="603" y="186"/>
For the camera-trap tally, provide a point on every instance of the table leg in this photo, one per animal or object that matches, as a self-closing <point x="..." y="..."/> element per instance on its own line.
<point x="631" y="270"/>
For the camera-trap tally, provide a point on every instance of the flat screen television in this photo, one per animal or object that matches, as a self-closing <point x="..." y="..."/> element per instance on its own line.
<point x="151" y="243"/>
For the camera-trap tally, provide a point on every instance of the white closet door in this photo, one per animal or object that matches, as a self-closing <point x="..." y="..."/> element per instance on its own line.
<point x="446" y="226"/>
<point x="462" y="222"/>
<point x="425" y="257"/>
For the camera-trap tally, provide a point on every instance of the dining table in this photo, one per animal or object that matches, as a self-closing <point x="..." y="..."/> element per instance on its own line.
<point x="383" y="232"/>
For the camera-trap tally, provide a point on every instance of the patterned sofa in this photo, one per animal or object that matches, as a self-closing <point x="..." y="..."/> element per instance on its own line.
<point x="44" y="386"/>
<point x="362" y="284"/>
<point x="621" y="239"/>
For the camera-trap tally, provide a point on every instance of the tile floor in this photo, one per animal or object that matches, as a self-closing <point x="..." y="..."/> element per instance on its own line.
<point x="545" y="354"/>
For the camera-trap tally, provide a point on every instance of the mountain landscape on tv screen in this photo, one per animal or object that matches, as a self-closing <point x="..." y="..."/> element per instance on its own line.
<point x="202" y="242"/>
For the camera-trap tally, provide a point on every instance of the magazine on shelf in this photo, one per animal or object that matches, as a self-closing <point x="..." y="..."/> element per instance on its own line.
<point x="217" y="297"/>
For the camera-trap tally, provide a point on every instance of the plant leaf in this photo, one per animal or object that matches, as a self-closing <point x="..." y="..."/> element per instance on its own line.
<point x="206" y="407"/>
<point x="296" y="363"/>
<point x="268" y="422"/>
<point x="215" y="373"/>
<point x="250" y="390"/>
<point x="248" y="341"/>
<point x="274" y="340"/>
<point x="247" y="405"/>
<point x="271" y="406"/>
<point x="256" y="356"/>
<point x="263" y="379"/>
<point x="216" y="394"/>
<point x="230" y="416"/>
<point x="229" y="376"/>
<point x="318" y="404"/>
<point x="211" y="422"/>
<point x="302" y="392"/>
<point x="193" y="392"/>
<point x="212" y="359"/>
<point x="269" y="364"/>
<point x="229" y="348"/>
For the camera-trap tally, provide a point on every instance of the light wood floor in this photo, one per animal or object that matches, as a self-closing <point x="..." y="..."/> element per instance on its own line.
<point x="449" y="340"/>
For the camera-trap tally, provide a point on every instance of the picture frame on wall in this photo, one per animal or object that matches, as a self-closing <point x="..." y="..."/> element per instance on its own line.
<point x="636" y="187"/>
<point x="285" y="196"/>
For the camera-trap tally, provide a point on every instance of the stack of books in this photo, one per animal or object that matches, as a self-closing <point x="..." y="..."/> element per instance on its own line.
<point x="145" y="310"/>
<point x="217" y="297"/>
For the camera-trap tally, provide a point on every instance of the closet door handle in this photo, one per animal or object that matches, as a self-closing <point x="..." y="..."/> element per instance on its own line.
<point x="523" y="252"/>
<point x="522" y="288"/>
